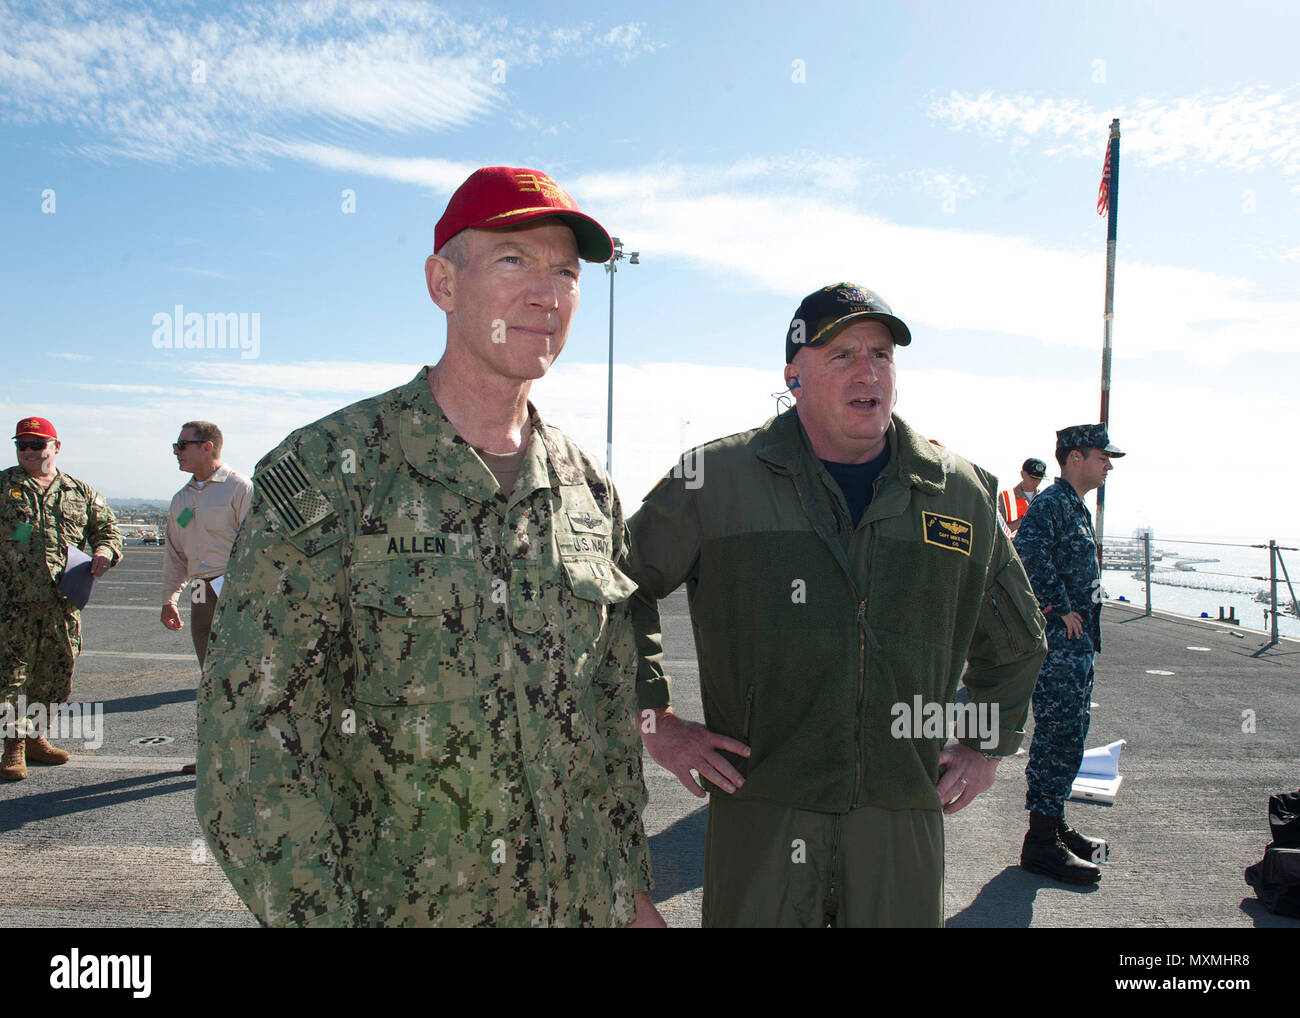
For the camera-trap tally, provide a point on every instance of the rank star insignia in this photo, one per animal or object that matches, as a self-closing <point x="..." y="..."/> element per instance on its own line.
<point x="946" y="532"/>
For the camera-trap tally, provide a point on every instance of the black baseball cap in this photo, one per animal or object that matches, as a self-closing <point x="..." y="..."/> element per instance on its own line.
<point x="827" y="312"/>
<point x="1085" y="436"/>
<point x="1034" y="468"/>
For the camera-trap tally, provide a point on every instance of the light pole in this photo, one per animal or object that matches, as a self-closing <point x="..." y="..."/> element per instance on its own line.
<point x="611" y="266"/>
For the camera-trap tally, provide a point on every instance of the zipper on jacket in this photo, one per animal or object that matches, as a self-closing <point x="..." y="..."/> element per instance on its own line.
<point x="1006" y="626"/>
<point x="831" y="904"/>
<point x="866" y="581"/>
<point x="866" y="629"/>
<point x="749" y="713"/>
<point x="864" y="633"/>
<point x="857" y="717"/>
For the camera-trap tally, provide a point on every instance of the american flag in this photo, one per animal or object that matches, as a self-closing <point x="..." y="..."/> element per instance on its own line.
<point x="1103" y="192"/>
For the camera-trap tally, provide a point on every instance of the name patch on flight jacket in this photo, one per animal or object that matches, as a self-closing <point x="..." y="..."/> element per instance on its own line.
<point x="946" y="531"/>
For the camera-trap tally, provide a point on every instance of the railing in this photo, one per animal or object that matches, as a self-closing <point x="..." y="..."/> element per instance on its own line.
<point x="1275" y="560"/>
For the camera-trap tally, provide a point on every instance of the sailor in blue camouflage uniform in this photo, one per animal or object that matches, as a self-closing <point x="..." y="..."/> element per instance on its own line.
<point x="1058" y="546"/>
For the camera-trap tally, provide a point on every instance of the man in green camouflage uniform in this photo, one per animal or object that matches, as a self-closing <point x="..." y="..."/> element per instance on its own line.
<point x="418" y="706"/>
<point x="43" y="511"/>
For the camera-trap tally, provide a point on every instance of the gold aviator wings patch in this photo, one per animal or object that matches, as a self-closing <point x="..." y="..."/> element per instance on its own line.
<point x="946" y="532"/>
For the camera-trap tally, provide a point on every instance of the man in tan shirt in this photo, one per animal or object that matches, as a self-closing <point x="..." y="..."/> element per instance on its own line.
<point x="201" y="526"/>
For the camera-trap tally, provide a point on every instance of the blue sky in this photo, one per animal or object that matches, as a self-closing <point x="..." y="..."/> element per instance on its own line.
<point x="944" y="155"/>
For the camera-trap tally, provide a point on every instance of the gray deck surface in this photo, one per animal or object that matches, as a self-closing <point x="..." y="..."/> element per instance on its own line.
<point x="110" y="839"/>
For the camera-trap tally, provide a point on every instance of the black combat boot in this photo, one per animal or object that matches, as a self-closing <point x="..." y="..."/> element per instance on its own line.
<point x="1092" y="849"/>
<point x="1044" y="852"/>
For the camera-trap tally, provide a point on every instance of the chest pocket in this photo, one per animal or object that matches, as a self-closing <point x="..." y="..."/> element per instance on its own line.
<point x="593" y="584"/>
<point x="73" y="515"/>
<point x="414" y="623"/>
<point x="585" y="540"/>
<point x="597" y="580"/>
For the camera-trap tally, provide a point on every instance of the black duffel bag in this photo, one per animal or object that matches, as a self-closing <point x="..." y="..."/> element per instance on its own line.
<point x="1276" y="877"/>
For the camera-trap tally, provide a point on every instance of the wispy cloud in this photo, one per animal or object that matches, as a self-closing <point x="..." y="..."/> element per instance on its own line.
<point x="191" y="270"/>
<point x="942" y="185"/>
<point x="787" y="237"/>
<point x="138" y="390"/>
<point x="70" y="356"/>
<point x="539" y="127"/>
<point x="816" y="171"/>
<point x="833" y="175"/>
<point x="442" y="175"/>
<point x="1250" y="129"/>
<point x="179" y="86"/>
<point x="625" y="41"/>
<point x="315" y="377"/>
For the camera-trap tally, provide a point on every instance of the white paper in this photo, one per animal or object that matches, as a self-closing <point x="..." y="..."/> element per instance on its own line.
<point x="217" y="584"/>
<point x="1099" y="778"/>
<point x="1102" y="762"/>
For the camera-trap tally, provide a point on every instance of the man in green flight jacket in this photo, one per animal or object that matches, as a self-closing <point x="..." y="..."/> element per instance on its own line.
<point x="840" y="569"/>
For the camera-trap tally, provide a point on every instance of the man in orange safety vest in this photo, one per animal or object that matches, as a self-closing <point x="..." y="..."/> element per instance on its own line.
<point x="1013" y="502"/>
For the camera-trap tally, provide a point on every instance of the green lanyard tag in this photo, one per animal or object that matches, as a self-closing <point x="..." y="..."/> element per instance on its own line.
<point x="22" y="532"/>
<point x="183" y="519"/>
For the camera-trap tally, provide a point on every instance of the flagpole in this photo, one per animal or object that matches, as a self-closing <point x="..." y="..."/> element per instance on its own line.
<point x="1112" y="200"/>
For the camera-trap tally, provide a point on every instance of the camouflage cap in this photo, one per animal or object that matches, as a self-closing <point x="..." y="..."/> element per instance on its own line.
<point x="827" y="312"/>
<point x="1085" y="436"/>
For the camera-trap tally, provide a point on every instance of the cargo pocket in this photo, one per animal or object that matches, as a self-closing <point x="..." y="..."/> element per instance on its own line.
<point x="426" y="776"/>
<point x="415" y="622"/>
<point x="1011" y="611"/>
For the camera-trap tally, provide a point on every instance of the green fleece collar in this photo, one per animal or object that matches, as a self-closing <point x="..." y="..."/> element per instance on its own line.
<point x="784" y="447"/>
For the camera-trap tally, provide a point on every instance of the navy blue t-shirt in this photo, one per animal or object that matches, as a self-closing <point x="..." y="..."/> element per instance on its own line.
<point x="856" y="481"/>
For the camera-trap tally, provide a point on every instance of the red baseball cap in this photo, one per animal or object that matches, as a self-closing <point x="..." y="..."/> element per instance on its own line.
<point x="497" y="196"/>
<point x="37" y="426"/>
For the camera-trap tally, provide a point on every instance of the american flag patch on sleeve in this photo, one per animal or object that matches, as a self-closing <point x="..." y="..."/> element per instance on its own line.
<point x="297" y="502"/>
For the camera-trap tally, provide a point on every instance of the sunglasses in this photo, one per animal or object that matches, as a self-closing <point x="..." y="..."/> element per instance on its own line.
<point x="32" y="443"/>
<point x="178" y="446"/>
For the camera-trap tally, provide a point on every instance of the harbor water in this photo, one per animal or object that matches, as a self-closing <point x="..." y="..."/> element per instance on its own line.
<point x="1220" y="575"/>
